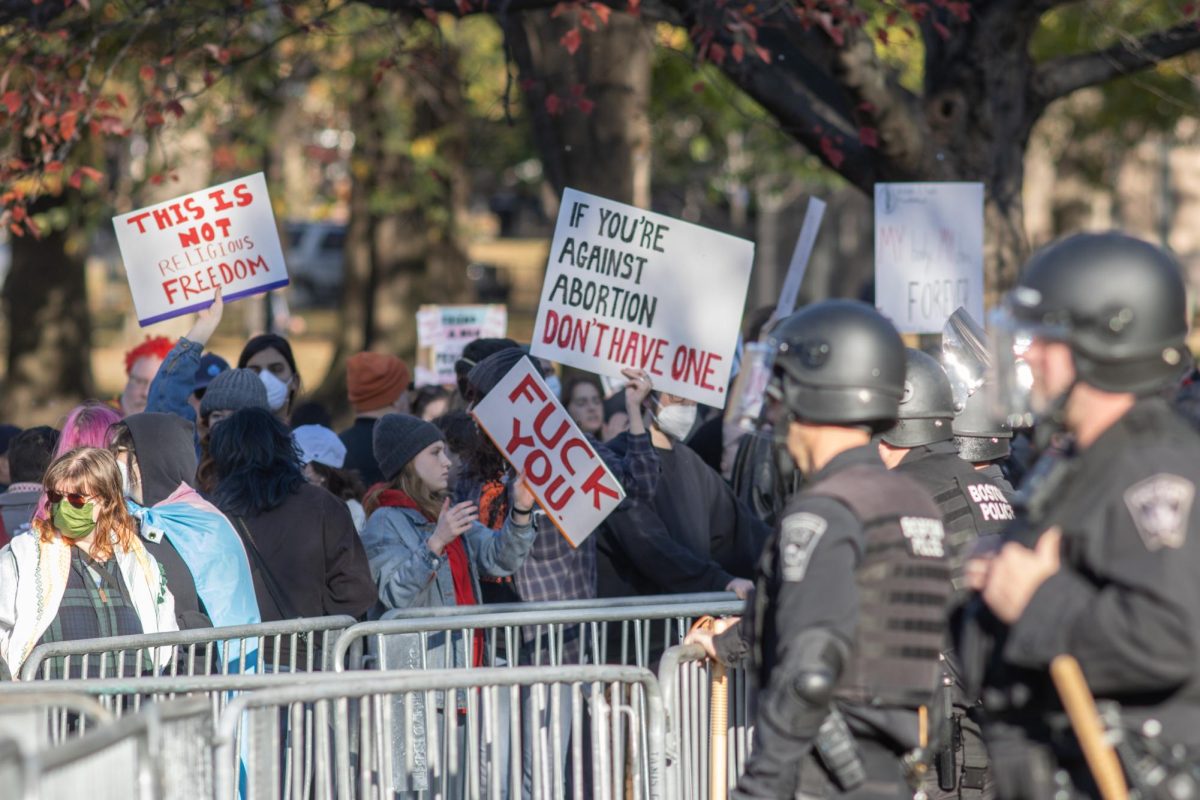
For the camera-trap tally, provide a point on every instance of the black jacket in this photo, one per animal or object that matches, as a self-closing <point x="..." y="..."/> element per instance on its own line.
<point x="314" y="555"/>
<point x="164" y="446"/>
<point x="1126" y="599"/>
<point x="694" y="536"/>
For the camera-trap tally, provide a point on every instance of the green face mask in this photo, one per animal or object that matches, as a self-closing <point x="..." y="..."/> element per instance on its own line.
<point x="72" y="522"/>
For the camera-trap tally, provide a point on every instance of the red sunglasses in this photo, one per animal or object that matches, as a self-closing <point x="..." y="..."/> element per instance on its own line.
<point x="77" y="500"/>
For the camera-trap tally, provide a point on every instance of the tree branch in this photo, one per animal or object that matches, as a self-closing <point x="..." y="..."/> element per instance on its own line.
<point x="1059" y="77"/>
<point x="879" y="98"/>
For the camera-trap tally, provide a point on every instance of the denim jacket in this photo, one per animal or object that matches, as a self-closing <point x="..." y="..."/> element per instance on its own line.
<point x="409" y="575"/>
<point x="175" y="380"/>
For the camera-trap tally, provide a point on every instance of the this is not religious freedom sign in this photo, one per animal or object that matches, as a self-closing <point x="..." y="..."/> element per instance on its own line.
<point x="531" y="428"/>
<point x="443" y="332"/>
<point x="928" y="253"/>
<point x="630" y="288"/>
<point x="178" y="252"/>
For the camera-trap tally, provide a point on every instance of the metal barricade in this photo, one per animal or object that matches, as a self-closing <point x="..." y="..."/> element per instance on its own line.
<point x="43" y="717"/>
<point x="460" y="733"/>
<point x="163" y="752"/>
<point x="686" y="677"/>
<point x="607" y="630"/>
<point x="17" y="768"/>
<point x="288" y="645"/>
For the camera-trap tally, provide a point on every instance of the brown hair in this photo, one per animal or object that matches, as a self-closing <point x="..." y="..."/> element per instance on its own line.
<point x="429" y="501"/>
<point x="407" y="481"/>
<point x="92" y="471"/>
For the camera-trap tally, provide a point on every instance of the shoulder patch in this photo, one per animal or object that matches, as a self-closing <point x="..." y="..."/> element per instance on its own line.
<point x="926" y="536"/>
<point x="798" y="538"/>
<point x="1161" y="507"/>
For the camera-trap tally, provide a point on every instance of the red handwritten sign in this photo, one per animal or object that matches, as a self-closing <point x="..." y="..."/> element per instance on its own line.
<point x="531" y="428"/>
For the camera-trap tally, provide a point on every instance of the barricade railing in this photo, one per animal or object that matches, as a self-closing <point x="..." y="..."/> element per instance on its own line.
<point x="685" y="676"/>
<point x="287" y="645"/>
<point x="696" y="600"/>
<point x="599" y="631"/>
<point x="42" y="717"/>
<point x="589" y="732"/>
<point x="122" y="697"/>
<point x="163" y="753"/>
<point x="17" y="767"/>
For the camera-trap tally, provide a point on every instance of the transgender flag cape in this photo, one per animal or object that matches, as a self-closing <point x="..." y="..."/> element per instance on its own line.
<point x="213" y="551"/>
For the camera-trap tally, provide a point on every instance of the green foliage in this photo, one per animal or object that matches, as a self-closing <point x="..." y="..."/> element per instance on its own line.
<point x="1127" y="108"/>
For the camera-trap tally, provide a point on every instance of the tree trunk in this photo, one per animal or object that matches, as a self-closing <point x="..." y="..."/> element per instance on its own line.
<point x="49" y="330"/>
<point x="403" y="243"/>
<point x="605" y="151"/>
<point x="980" y="111"/>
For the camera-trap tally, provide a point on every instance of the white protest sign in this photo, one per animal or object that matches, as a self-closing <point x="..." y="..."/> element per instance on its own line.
<point x="928" y="253"/>
<point x="178" y="252"/>
<point x="443" y="332"/>
<point x="630" y="288"/>
<point x="800" y="257"/>
<point x="531" y="428"/>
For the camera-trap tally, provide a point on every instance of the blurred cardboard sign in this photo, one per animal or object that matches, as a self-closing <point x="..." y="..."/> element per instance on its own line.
<point x="443" y="332"/>
<point x="928" y="253"/>
<point x="177" y="253"/>
<point x="532" y="429"/>
<point x="630" y="288"/>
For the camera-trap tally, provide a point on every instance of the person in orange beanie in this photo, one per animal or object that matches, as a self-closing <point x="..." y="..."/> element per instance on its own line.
<point x="377" y="384"/>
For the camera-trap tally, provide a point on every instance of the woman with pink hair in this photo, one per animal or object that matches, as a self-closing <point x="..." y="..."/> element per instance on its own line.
<point x="86" y="426"/>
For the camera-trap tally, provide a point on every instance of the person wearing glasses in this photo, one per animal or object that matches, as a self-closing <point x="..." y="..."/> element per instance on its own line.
<point x="83" y="573"/>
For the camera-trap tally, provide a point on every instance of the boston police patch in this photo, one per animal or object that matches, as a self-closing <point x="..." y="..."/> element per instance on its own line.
<point x="1161" y="507"/>
<point x="798" y="539"/>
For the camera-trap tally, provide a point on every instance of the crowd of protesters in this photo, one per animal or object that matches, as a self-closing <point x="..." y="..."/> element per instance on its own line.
<point x="209" y="493"/>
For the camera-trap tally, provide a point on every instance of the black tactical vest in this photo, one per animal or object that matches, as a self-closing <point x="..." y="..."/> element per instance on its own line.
<point x="971" y="504"/>
<point x="903" y="588"/>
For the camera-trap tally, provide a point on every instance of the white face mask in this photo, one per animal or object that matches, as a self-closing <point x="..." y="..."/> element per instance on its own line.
<point x="676" y="420"/>
<point x="555" y="385"/>
<point x="277" y="390"/>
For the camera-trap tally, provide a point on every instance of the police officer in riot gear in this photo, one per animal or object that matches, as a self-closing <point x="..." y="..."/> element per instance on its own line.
<point x="921" y="446"/>
<point x="983" y="440"/>
<point x="846" y="621"/>
<point x="1104" y="565"/>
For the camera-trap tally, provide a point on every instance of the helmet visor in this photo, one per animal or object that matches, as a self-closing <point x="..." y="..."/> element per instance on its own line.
<point x="1012" y="398"/>
<point x="965" y="356"/>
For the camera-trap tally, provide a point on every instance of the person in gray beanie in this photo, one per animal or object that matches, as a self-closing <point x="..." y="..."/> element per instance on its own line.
<point x="231" y="391"/>
<point x="423" y="551"/>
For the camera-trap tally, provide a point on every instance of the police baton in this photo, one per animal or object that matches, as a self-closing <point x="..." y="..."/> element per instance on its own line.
<point x="1085" y="720"/>
<point x="718" y="728"/>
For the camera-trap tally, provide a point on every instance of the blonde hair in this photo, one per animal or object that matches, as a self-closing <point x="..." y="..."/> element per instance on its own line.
<point x="92" y="471"/>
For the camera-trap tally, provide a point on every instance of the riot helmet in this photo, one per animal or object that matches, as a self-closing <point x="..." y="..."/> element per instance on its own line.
<point x="838" y="362"/>
<point x="1118" y="302"/>
<point x="927" y="405"/>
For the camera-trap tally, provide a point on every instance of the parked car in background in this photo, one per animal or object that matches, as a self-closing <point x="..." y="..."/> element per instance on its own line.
<point x="314" y="252"/>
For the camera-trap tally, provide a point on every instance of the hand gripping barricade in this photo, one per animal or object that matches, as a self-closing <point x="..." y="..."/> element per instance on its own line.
<point x="687" y="679"/>
<point x="288" y="646"/>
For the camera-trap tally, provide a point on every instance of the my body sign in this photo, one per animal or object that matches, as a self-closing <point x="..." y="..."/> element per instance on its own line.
<point x="630" y="288"/>
<point x="531" y="428"/>
<point x="177" y="253"/>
